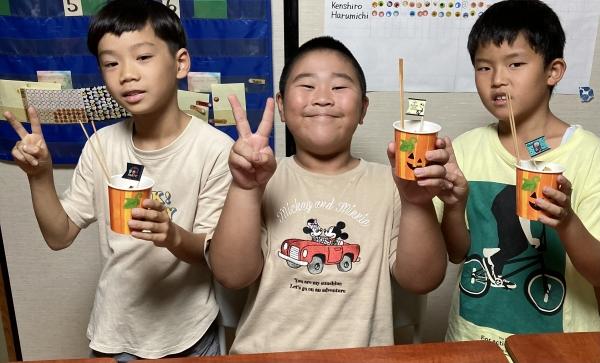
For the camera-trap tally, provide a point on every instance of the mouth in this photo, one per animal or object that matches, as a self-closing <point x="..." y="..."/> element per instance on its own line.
<point x="133" y="96"/>
<point x="500" y="99"/>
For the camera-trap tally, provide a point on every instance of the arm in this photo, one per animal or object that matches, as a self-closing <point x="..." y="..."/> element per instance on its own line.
<point x="420" y="261"/>
<point x="454" y="225"/>
<point x="32" y="156"/>
<point x="235" y="251"/>
<point x="581" y="246"/>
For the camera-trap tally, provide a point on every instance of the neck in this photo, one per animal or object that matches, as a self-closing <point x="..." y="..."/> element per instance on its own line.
<point x="326" y="164"/>
<point x="155" y="131"/>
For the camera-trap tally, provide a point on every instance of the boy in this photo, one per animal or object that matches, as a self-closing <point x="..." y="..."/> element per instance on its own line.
<point x="521" y="276"/>
<point x="318" y="237"/>
<point x="154" y="297"/>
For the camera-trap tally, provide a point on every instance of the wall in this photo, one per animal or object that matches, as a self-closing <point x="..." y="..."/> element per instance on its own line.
<point x="53" y="291"/>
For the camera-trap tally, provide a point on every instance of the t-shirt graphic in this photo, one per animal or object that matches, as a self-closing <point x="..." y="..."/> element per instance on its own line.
<point x="515" y="267"/>
<point x="326" y="246"/>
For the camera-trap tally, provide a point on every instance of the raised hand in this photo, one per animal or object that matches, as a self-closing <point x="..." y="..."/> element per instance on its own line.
<point x="458" y="192"/>
<point x="430" y="179"/>
<point x="152" y="223"/>
<point x="31" y="152"/>
<point x="251" y="160"/>
<point x="557" y="204"/>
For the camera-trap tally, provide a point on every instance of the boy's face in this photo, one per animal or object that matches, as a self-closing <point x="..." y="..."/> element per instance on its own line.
<point x="519" y="68"/>
<point x="323" y="102"/>
<point x="140" y="71"/>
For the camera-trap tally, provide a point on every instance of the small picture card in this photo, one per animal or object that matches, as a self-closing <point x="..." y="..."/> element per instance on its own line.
<point x="223" y="114"/>
<point x="61" y="77"/>
<point x="416" y="107"/>
<point x="194" y="103"/>
<point x="537" y="146"/>
<point x="202" y="81"/>
<point x="133" y="172"/>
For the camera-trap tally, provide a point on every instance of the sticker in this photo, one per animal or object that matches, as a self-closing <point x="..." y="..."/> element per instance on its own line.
<point x="586" y="94"/>
<point x="416" y="107"/>
<point x="537" y="146"/>
<point x="257" y="81"/>
<point x="133" y="172"/>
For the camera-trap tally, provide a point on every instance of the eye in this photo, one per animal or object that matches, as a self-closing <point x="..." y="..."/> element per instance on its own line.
<point x="516" y="64"/>
<point x="482" y="69"/>
<point x="144" y="57"/>
<point x="337" y="88"/>
<point x="307" y="86"/>
<point x="109" y="64"/>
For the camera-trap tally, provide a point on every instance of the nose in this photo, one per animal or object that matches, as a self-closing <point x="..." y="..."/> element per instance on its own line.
<point x="128" y="72"/>
<point x="499" y="77"/>
<point x="323" y="97"/>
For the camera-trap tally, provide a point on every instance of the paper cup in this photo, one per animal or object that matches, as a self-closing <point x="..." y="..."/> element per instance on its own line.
<point x="531" y="180"/>
<point x="123" y="196"/>
<point x="412" y="143"/>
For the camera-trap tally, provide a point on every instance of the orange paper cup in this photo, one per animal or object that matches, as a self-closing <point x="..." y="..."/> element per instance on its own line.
<point x="531" y="180"/>
<point x="412" y="143"/>
<point x="123" y="196"/>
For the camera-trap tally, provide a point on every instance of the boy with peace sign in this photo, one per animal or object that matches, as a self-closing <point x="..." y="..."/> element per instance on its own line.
<point x="318" y="235"/>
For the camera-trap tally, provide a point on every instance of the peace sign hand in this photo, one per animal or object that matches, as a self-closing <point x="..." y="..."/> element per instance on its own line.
<point x="251" y="160"/>
<point x="31" y="152"/>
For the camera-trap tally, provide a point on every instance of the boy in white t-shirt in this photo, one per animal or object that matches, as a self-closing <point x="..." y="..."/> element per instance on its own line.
<point x="154" y="297"/>
<point x="320" y="237"/>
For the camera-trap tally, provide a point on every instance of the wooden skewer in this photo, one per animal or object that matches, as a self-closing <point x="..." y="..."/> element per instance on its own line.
<point x="513" y="128"/>
<point x="100" y="160"/>
<point x="401" y="82"/>
<point x="100" y="147"/>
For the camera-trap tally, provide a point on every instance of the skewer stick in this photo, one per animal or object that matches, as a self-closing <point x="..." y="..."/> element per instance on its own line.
<point x="100" y="160"/>
<point x="401" y="82"/>
<point x="100" y="147"/>
<point x="513" y="128"/>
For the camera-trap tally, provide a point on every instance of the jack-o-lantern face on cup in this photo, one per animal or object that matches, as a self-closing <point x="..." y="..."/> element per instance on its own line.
<point x="412" y="142"/>
<point x="532" y="178"/>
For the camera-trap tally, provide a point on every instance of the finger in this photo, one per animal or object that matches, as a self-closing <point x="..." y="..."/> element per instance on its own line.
<point x="450" y="150"/>
<point x="16" y="125"/>
<point x="241" y="122"/>
<point x="17" y="154"/>
<point x="245" y="150"/>
<point x="431" y="171"/>
<point x="153" y="204"/>
<point x="266" y="124"/>
<point x="27" y="155"/>
<point x="239" y="162"/>
<point x="34" y="120"/>
<point x="440" y="156"/>
<point x="391" y="154"/>
<point x="564" y="185"/>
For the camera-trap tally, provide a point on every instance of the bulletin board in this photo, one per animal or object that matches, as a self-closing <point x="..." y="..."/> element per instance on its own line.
<point x="229" y="37"/>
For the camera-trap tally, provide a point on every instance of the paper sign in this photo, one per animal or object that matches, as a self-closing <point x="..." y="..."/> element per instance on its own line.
<point x="11" y="99"/>
<point x="416" y="107"/>
<point x="61" y="77"/>
<point x="202" y="81"/>
<point x="194" y="103"/>
<point x="221" y="107"/>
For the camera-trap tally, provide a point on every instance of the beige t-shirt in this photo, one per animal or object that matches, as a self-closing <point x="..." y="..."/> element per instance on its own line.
<point x="329" y="242"/>
<point x="148" y="302"/>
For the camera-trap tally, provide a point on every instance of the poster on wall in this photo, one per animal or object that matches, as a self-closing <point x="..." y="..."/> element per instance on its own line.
<point x="431" y="37"/>
<point x="44" y="42"/>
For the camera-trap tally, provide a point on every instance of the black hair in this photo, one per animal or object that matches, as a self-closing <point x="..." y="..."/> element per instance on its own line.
<point x="505" y="20"/>
<point x="120" y="16"/>
<point x="322" y="43"/>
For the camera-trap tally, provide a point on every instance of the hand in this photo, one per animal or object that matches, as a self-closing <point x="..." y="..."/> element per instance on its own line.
<point x="430" y="179"/>
<point x="251" y="159"/>
<point x="557" y="204"/>
<point x="30" y="153"/>
<point x="459" y="190"/>
<point x="152" y="223"/>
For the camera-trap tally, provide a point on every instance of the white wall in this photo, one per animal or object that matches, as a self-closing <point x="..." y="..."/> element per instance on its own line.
<point x="53" y="291"/>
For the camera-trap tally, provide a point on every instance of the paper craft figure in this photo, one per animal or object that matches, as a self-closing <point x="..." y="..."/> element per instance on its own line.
<point x="194" y="103"/>
<point x="416" y="107"/>
<point x="223" y="115"/>
<point x="11" y="99"/>
<point x="133" y="172"/>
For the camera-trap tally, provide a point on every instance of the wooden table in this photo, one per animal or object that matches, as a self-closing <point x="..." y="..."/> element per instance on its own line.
<point x="555" y="347"/>
<point x="463" y="352"/>
<point x="75" y="360"/>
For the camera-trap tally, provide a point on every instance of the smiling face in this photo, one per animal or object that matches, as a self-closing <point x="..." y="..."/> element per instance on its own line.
<point x="140" y="71"/>
<point x="323" y="103"/>
<point x="518" y="67"/>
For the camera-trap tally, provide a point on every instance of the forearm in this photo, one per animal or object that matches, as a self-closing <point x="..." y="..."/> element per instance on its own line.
<point x="235" y="251"/>
<point x="420" y="254"/>
<point x="456" y="234"/>
<point x="188" y="246"/>
<point x="582" y="248"/>
<point x="56" y="227"/>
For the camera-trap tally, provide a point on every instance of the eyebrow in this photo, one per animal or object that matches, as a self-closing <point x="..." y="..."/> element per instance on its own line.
<point x="133" y="47"/>
<point x="312" y="75"/>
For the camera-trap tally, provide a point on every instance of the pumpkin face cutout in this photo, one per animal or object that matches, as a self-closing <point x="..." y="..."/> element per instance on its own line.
<point x="530" y="184"/>
<point x="411" y="146"/>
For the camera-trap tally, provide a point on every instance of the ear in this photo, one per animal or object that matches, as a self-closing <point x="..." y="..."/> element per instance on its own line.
<point x="182" y="58"/>
<point x="555" y="71"/>
<point x="363" y="112"/>
<point x="279" y="100"/>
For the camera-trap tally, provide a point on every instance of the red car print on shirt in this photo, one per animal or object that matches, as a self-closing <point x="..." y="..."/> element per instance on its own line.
<point x="315" y="255"/>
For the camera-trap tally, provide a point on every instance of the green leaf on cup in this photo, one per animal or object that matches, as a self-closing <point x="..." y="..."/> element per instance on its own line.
<point x="530" y="184"/>
<point x="131" y="203"/>
<point x="408" y="144"/>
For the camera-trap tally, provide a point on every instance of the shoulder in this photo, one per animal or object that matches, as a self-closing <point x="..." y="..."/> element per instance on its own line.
<point x="476" y="134"/>
<point x="207" y="133"/>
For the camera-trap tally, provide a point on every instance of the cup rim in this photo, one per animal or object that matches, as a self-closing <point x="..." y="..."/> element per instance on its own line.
<point x="429" y="127"/>
<point x="145" y="183"/>
<point x="556" y="167"/>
